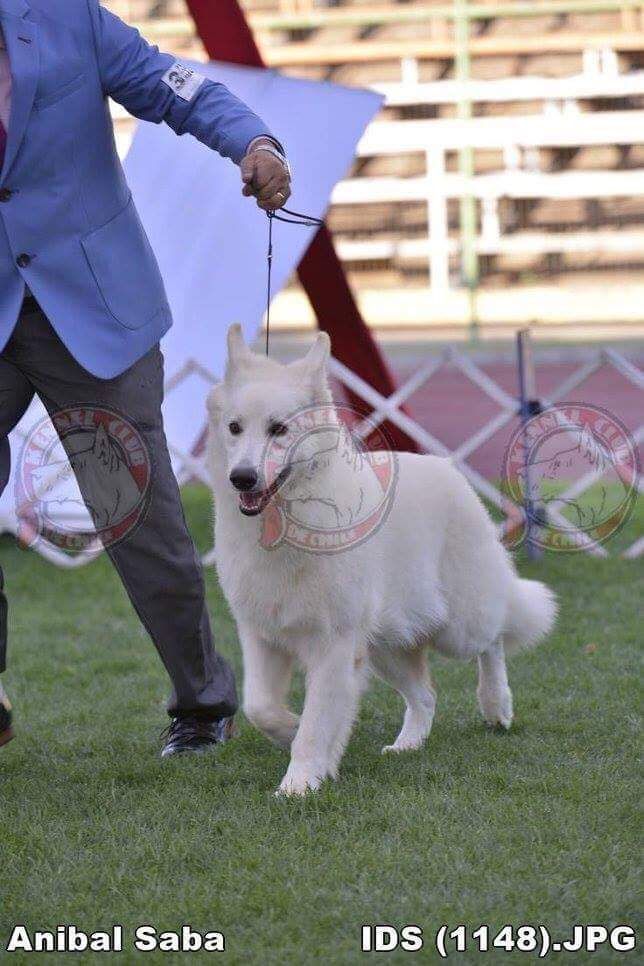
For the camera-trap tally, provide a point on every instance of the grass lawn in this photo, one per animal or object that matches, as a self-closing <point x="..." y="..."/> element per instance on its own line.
<point x="538" y="825"/>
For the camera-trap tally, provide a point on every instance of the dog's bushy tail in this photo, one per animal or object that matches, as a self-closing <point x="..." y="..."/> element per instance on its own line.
<point x="532" y="610"/>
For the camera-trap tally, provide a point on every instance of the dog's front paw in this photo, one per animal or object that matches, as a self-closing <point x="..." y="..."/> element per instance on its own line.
<point x="299" y="780"/>
<point x="404" y="744"/>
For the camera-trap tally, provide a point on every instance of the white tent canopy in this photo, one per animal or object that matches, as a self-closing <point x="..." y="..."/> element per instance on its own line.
<point x="211" y="242"/>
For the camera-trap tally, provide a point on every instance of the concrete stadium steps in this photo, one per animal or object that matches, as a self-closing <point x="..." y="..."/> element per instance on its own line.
<point x="316" y="37"/>
<point x="519" y="67"/>
<point x="344" y="38"/>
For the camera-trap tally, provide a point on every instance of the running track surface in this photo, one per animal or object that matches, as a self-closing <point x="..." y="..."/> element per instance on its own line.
<point x="452" y="408"/>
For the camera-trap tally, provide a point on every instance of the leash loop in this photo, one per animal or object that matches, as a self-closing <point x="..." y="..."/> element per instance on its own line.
<point x="295" y="218"/>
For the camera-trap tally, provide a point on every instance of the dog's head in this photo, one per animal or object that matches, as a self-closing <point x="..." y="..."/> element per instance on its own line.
<point x="252" y="412"/>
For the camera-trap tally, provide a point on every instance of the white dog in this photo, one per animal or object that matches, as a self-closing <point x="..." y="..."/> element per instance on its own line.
<point x="431" y="574"/>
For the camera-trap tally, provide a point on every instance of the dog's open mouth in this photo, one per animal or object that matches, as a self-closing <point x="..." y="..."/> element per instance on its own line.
<point x="252" y="502"/>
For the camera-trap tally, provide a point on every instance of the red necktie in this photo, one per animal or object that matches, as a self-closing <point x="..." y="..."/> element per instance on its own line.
<point x="3" y="143"/>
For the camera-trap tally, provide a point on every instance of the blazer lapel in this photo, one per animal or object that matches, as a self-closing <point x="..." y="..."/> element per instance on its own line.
<point x="21" y="39"/>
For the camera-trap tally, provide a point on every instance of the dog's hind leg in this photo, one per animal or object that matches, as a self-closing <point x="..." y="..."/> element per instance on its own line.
<point x="493" y="692"/>
<point x="267" y="678"/>
<point x="406" y="670"/>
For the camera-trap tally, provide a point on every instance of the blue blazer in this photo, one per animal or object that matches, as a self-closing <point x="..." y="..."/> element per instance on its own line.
<point x="68" y="225"/>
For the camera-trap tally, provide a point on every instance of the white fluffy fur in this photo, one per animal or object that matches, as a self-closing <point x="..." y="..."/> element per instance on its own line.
<point x="434" y="575"/>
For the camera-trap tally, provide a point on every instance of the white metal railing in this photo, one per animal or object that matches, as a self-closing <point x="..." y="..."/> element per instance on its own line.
<point x="518" y="138"/>
<point x="502" y="184"/>
<point x="489" y="190"/>
<point x="502" y="133"/>
<point x="624" y="242"/>
<point x="556" y="93"/>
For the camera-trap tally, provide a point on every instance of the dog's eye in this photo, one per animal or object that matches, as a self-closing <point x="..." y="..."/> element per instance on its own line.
<point x="234" y="427"/>
<point x="277" y="429"/>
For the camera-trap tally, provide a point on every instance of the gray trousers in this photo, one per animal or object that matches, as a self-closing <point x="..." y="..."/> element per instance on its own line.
<point x="156" y="560"/>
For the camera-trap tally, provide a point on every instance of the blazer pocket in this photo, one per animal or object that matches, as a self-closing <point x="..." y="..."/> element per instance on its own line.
<point x="125" y="268"/>
<point x="48" y="100"/>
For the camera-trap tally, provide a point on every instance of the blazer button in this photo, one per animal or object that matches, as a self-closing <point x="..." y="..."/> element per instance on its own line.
<point x="5" y="194"/>
<point x="23" y="260"/>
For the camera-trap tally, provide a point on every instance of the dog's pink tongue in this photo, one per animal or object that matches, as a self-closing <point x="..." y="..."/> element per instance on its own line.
<point x="273" y="525"/>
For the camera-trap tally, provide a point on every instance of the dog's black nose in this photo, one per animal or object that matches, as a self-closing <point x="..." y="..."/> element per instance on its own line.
<point x="243" y="478"/>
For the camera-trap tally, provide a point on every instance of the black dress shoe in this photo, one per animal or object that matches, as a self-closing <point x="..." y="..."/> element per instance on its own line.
<point x="6" y="731"/>
<point x="190" y="735"/>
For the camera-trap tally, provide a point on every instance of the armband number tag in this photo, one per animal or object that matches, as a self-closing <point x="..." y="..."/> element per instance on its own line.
<point x="184" y="81"/>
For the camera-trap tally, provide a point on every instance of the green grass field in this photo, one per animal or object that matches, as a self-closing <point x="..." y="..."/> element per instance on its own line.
<point x="538" y="825"/>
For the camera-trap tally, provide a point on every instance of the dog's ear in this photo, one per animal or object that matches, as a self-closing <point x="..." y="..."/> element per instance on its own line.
<point x="315" y="361"/>
<point x="318" y="355"/>
<point x="312" y="369"/>
<point x="238" y="351"/>
<point x="215" y="401"/>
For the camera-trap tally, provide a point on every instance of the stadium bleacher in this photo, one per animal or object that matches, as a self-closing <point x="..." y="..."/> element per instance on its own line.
<point x="537" y="118"/>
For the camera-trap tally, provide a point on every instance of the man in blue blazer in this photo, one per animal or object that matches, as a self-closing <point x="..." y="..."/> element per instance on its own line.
<point x="83" y="306"/>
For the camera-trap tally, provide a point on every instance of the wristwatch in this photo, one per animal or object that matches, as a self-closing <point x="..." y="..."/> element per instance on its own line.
<point x="274" y="148"/>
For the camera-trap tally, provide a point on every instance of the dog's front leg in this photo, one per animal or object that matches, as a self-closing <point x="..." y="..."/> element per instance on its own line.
<point x="267" y="678"/>
<point x="333" y="684"/>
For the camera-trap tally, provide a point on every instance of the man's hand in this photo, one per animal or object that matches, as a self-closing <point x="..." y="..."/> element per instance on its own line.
<point x="265" y="177"/>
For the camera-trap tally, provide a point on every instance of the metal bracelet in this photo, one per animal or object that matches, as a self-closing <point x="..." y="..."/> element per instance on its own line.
<point x="277" y="154"/>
